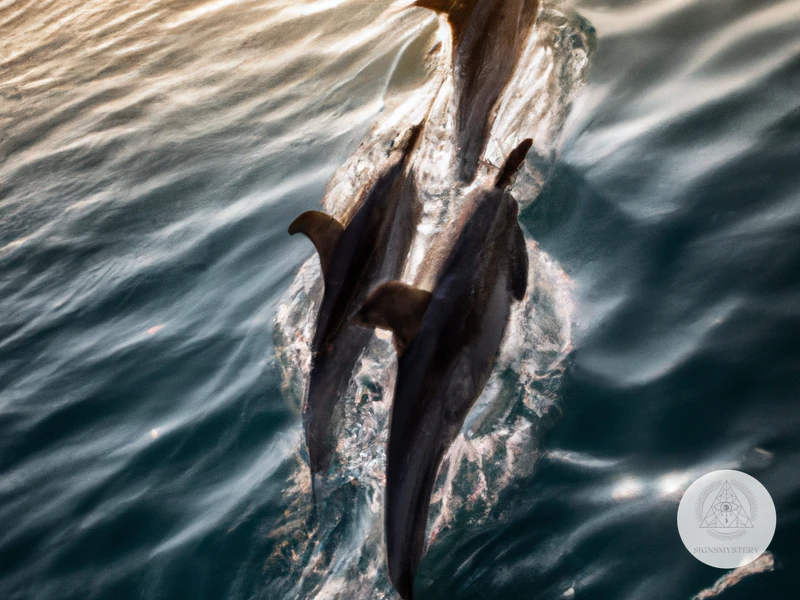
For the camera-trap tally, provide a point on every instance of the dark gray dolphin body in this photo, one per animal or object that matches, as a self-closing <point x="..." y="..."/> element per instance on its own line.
<point x="488" y="38"/>
<point x="447" y="341"/>
<point x="371" y="248"/>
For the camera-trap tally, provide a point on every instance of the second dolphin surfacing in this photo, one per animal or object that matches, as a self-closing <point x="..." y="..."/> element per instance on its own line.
<point x="371" y="247"/>
<point x="447" y="341"/>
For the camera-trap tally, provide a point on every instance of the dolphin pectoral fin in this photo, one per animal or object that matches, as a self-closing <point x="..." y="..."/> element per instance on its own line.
<point x="518" y="264"/>
<point x="513" y="163"/>
<point x="398" y="307"/>
<point x="324" y="232"/>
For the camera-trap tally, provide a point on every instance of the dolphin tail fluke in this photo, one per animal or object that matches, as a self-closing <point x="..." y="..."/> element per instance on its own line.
<point x="512" y="164"/>
<point x="397" y="307"/>
<point x="324" y="232"/>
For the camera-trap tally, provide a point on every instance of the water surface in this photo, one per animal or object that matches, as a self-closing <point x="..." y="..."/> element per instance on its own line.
<point x="151" y="155"/>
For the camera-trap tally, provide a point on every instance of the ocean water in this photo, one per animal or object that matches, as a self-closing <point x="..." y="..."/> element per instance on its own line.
<point x="153" y="153"/>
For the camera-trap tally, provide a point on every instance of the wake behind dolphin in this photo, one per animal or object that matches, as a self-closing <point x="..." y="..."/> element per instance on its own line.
<point x="343" y="552"/>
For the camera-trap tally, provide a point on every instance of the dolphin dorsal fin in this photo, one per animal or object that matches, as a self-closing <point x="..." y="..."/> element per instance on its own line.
<point x="324" y="232"/>
<point x="458" y="13"/>
<point x="397" y="307"/>
<point x="519" y="264"/>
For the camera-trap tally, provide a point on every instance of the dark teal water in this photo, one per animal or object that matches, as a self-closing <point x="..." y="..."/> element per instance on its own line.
<point x="151" y="155"/>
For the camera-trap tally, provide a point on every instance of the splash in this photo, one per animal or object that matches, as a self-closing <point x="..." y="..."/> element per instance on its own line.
<point x="336" y="548"/>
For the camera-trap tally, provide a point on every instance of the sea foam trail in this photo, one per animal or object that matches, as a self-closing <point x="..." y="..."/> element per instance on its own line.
<point x="339" y="550"/>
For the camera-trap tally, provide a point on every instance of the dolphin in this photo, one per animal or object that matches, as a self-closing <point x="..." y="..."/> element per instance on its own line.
<point x="488" y="37"/>
<point x="354" y="258"/>
<point x="446" y="340"/>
